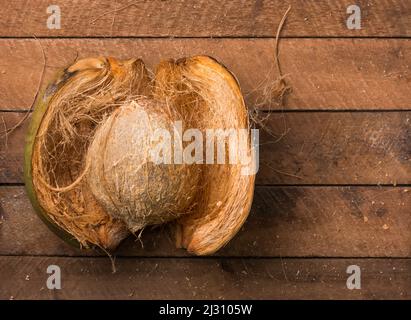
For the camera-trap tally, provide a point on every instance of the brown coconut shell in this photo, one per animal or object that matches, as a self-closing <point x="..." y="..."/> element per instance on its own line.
<point x="68" y="143"/>
<point x="125" y="181"/>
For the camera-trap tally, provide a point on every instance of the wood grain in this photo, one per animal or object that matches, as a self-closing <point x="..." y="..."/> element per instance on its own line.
<point x="91" y="278"/>
<point x="319" y="205"/>
<point x="325" y="74"/>
<point x="12" y="147"/>
<point x="284" y="222"/>
<point x="297" y="148"/>
<point x="183" y="18"/>
<point x="336" y="148"/>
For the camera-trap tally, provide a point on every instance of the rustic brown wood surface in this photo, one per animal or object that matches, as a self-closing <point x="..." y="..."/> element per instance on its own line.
<point x="205" y="18"/>
<point x="326" y="74"/>
<point x="296" y="148"/>
<point x="284" y="222"/>
<point x="334" y="185"/>
<point x="197" y="278"/>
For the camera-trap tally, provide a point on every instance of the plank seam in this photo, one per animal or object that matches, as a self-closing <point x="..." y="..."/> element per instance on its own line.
<point x="214" y="257"/>
<point x="205" y="37"/>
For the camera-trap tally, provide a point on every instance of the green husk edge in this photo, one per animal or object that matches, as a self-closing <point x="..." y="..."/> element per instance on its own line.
<point x="40" y="108"/>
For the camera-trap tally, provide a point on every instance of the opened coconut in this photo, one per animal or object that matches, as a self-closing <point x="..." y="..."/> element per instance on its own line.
<point x="111" y="151"/>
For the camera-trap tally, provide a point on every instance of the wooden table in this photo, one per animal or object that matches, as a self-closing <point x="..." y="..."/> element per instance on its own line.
<point x="334" y="186"/>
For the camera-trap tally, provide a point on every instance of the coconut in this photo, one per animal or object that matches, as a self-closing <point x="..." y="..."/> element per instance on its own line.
<point x="92" y="169"/>
<point x="124" y="179"/>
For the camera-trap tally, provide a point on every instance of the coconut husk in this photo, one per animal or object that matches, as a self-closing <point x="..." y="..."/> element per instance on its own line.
<point x="211" y="94"/>
<point x="87" y="170"/>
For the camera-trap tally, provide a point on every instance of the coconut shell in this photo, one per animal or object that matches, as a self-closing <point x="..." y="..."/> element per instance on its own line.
<point x="86" y="167"/>
<point x="122" y="177"/>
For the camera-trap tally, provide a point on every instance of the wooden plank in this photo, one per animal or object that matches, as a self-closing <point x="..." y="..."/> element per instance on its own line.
<point x="12" y="147"/>
<point x="325" y="74"/>
<point x="284" y="222"/>
<point x="91" y="278"/>
<point x="336" y="148"/>
<point x="214" y="18"/>
<point x="298" y="148"/>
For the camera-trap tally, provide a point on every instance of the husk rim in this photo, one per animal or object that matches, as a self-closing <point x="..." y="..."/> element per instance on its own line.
<point x="40" y="108"/>
<point x="191" y="245"/>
